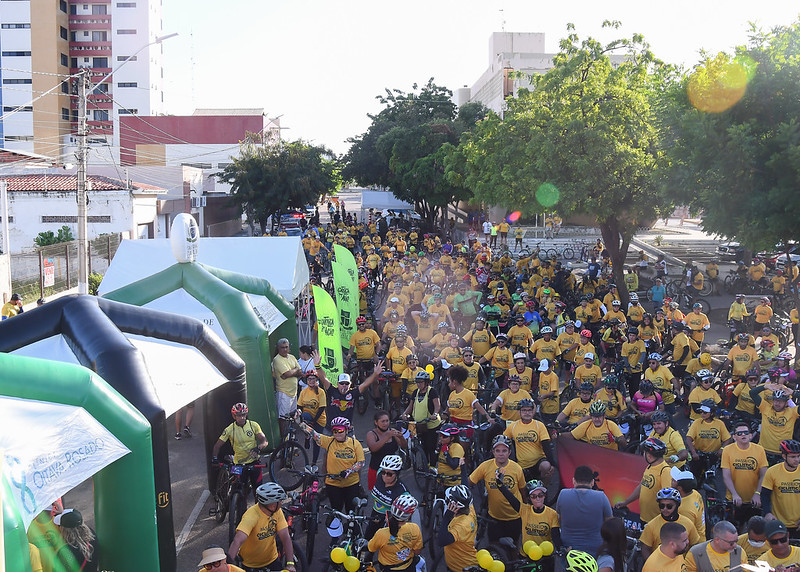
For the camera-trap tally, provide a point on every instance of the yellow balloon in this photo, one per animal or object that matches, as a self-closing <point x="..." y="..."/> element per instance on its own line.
<point x="429" y="368"/>
<point x="351" y="564"/>
<point x="485" y="560"/>
<point x="338" y="555"/>
<point x="535" y="553"/>
<point x="547" y="548"/>
<point x="528" y="545"/>
<point x="498" y="566"/>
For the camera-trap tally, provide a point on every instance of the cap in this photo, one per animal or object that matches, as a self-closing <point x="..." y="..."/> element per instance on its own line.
<point x="588" y="355"/>
<point x="774" y="527"/>
<point x="679" y="475"/>
<point x="704" y="409"/>
<point x="14" y="297"/>
<point x="212" y="555"/>
<point x="70" y="518"/>
<point x="519" y="355"/>
<point x="544" y="365"/>
<point x="394" y="299"/>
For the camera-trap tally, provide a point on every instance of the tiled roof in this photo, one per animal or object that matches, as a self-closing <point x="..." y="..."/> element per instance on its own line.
<point x="66" y="183"/>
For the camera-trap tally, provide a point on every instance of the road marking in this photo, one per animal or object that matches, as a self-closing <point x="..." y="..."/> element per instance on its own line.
<point x="187" y="528"/>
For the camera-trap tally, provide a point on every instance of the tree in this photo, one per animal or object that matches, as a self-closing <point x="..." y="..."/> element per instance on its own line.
<point x="404" y="148"/>
<point x="736" y="154"/>
<point x="266" y="180"/>
<point x="585" y="139"/>
<point x="48" y="237"/>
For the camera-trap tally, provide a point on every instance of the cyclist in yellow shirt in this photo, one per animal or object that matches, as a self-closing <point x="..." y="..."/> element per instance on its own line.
<point x="500" y="358"/>
<point x="458" y="530"/>
<point x="599" y="430"/>
<point x="762" y="314"/>
<point x="509" y="400"/>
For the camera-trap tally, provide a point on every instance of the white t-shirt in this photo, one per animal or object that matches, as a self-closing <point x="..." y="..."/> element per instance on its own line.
<point x="487" y="227"/>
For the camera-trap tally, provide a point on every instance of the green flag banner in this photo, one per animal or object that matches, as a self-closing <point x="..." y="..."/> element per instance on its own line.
<point x="330" y="349"/>
<point x="345" y="279"/>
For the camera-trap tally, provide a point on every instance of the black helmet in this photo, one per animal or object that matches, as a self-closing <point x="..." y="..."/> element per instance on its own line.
<point x="659" y="416"/>
<point x="459" y="494"/>
<point x="647" y="387"/>
<point x="790" y="446"/>
<point x="586" y="386"/>
<point x="655" y="447"/>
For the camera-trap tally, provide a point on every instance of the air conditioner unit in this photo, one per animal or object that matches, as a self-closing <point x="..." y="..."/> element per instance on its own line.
<point x="198" y="202"/>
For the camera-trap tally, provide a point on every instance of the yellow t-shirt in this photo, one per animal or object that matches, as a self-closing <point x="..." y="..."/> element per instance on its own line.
<point x="473" y="373"/>
<point x="679" y="343"/>
<point x="774" y="561"/>
<point x="742" y="359"/>
<point x="693" y="508"/>
<point x="708" y="436"/>
<point x="576" y="410"/>
<point x="537" y="526"/>
<point x="451" y="355"/>
<point x="243" y="440"/>
<point x="591" y="374"/>
<point x="614" y="401"/>
<point x="311" y="402"/>
<point x="397" y="357"/>
<point x="259" y="550"/>
<point x="342" y="456"/>
<point x="674" y="442"/>
<point x="634" y="352"/>
<point x="461" y="554"/>
<point x="660" y="562"/>
<point x="651" y="535"/>
<point x="395" y="550"/>
<point x="525" y="378"/>
<point x="544" y="349"/>
<point x="566" y="341"/>
<point x="520" y="336"/>
<point x="745" y="466"/>
<point x="10" y="309"/>
<point x="481" y="341"/>
<point x="762" y="314"/>
<point x="460" y="404"/>
<point x="582" y="350"/>
<point x="281" y="365"/>
<point x="450" y="475"/>
<point x="549" y="382"/>
<point x="500" y="358"/>
<point x="509" y="403"/>
<point x="753" y="552"/>
<point x="662" y="380"/>
<point x="603" y="436"/>
<point x="528" y="439"/>
<point x="745" y="402"/>
<point x="514" y="481"/>
<point x="364" y="342"/>
<point x="785" y="493"/>
<point x="654" y="478"/>
<point x="775" y="426"/>
<point x="697" y="395"/>
<point x="718" y="561"/>
<point x="636" y="313"/>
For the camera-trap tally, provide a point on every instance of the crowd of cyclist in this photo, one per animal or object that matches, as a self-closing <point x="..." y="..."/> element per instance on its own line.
<point x="470" y="333"/>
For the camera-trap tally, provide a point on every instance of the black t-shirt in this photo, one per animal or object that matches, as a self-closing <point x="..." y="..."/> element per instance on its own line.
<point x="339" y="404"/>
<point x="389" y="448"/>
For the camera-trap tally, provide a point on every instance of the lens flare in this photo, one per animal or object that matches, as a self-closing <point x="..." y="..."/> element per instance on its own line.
<point x="719" y="84"/>
<point x="547" y="195"/>
<point x="514" y="217"/>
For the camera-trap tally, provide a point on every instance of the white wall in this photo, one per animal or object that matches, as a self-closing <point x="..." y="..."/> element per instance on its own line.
<point x="27" y="208"/>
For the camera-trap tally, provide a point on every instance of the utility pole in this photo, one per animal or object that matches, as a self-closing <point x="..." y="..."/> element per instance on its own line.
<point x="83" y="227"/>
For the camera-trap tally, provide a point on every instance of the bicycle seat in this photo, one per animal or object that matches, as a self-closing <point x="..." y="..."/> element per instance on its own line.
<point x="359" y="502"/>
<point x="313" y="469"/>
<point x="507" y="542"/>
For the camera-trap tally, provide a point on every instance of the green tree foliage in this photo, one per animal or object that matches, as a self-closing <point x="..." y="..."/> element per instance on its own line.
<point x="270" y="179"/>
<point x="49" y="237"/>
<point x="405" y="147"/>
<point x="585" y="139"/>
<point x="737" y="147"/>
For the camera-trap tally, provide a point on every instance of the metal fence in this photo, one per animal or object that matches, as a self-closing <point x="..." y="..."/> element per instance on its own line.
<point x="54" y="268"/>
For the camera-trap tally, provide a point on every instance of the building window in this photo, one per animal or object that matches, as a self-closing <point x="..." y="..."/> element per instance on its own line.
<point x="99" y="36"/>
<point x="100" y="9"/>
<point x="73" y="37"/>
<point x="127" y="84"/>
<point x="127" y="58"/>
<point x="19" y="137"/>
<point x="64" y="87"/>
<point x="63" y="32"/>
<point x="73" y="9"/>
<point x="64" y="60"/>
<point x="16" y="26"/>
<point x="15" y="109"/>
<point x="100" y="88"/>
<point x="121" y="32"/>
<point x="73" y="62"/>
<point x="74" y="219"/>
<point x="126" y="4"/>
<point x="100" y="114"/>
<point x="86" y="33"/>
<point x="17" y="53"/>
<point x="124" y="111"/>
<point x="62" y="4"/>
<point x="99" y="62"/>
<point x="65" y="114"/>
<point x="74" y="115"/>
<point x="16" y="81"/>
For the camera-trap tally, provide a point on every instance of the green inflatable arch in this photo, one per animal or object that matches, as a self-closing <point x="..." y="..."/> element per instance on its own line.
<point x="124" y="504"/>
<point x="225" y="294"/>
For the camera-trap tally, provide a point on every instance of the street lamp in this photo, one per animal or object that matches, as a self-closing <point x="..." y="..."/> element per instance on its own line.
<point x="81" y="196"/>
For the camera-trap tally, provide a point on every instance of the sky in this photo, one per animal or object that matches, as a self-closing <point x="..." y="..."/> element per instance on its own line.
<point x="319" y="65"/>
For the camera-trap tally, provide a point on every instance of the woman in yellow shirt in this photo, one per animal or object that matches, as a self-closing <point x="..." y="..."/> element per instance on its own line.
<point x="400" y="543"/>
<point x="458" y="530"/>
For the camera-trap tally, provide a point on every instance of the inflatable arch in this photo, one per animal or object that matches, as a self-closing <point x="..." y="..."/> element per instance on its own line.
<point x="225" y="294"/>
<point x="93" y="328"/>
<point x="125" y="506"/>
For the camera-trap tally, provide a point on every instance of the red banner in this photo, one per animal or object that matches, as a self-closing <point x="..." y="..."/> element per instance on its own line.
<point x="618" y="473"/>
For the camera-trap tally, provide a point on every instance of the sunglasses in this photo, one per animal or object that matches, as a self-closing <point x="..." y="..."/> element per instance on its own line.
<point x="781" y="540"/>
<point x="666" y="505"/>
<point x="537" y="496"/>
<point x="339" y="431"/>
<point x="388" y="473"/>
<point x="216" y="564"/>
<point x="741" y="433"/>
<point x="344" y="383"/>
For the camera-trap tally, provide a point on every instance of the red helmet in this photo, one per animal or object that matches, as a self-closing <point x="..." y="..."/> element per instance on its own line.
<point x="586" y="333"/>
<point x="239" y="409"/>
<point x="361" y="320"/>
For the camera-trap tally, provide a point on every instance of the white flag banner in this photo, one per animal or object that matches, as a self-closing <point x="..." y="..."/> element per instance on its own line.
<point x="266" y="311"/>
<point x="49" y="449"/>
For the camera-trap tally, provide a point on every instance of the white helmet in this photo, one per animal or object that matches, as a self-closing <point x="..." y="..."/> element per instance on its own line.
<point x="403" y="507"/>
<point x="391" y="463"/>
<point x="270" y="493"/>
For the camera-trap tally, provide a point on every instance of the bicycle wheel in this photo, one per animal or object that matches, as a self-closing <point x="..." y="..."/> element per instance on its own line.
<point x="221" y="492"/>
<point x="288" y="457"/>
<point x="311" y="529"/>
<point x="385" y="401"/>
<point x="439" y="564"/>
<point x="436" y="523"/>
<point x="705" y="303"/>
<point x="708" y="287"/>
<point x="542" y="254"/>
<point x="420" y="463"/>
<point x="300" y="561"/>
<point x="568" y="254"/>
<point x="237" y="508"/>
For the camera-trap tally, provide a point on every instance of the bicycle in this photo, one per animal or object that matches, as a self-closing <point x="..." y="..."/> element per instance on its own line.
<point x="288" y="457"/>
<point x="305" y="504"/>
<point x="352" y="540"/>
<point x="416" y="456"/>
<point x="231" y="492"/>
<point x="358" y="369"/>
<point x="433" y="506"/>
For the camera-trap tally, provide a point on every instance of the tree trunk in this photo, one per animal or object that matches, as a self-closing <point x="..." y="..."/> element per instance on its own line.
<point x="617" y="244"/>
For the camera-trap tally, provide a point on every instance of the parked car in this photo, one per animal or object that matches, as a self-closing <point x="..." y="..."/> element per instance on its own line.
<point x="794" y="253"/>
<point x="730" y="250"/>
